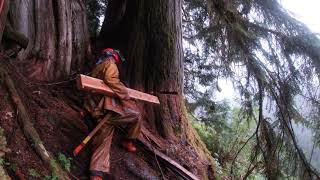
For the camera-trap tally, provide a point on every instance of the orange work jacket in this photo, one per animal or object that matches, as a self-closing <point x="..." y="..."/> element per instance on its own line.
<point x="98" y="104"/>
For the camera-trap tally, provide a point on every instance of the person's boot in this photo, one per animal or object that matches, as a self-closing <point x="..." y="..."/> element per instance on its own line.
<point x="129" y="146"/>
<point x="96" y="178"/>
<point x="99" y="175"/>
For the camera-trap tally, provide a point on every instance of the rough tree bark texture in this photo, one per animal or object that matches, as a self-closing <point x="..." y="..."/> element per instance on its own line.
<point x="149" y="35"/>
<point x="4" y="7"/>
<point x="58" y="36"/>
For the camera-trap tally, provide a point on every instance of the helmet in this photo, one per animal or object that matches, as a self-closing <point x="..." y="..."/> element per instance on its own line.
<point x="105" y="53"/>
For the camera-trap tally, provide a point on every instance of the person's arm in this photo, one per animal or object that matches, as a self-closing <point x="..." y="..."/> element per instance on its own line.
<point x="111" y="78"/>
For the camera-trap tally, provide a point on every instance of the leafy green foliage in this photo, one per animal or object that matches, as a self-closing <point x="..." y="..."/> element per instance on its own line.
<point x="95" y="10"/>
<point x="50" y="178"/>
<point x="270" y="57"/>
<point x="34" y="173"/>
<point x="65" y="162"/>
<point x="13" y="166"/>
<point x="224" y="136"/>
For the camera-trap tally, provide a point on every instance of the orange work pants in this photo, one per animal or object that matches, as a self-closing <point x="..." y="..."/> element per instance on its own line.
<point x="100" y="160"/>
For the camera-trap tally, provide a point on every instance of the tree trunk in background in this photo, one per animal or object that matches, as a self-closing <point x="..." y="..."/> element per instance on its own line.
<point x="149" y="34"/>
<point x="58" y="36"/>
<point x="4" y="7"/>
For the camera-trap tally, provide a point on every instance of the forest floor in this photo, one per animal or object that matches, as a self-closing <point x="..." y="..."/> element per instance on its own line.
<point x="54" y="110"/>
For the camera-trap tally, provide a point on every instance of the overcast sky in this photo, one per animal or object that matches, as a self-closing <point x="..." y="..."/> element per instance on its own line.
<point x="306" y="11"/>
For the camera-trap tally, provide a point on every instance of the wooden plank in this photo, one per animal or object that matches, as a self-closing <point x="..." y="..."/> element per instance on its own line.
<point x="94" y="85"/>
<point x="170" y="163"/>
<point x="147" y="135"/>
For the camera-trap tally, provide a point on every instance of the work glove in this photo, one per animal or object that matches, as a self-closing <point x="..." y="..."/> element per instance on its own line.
<point x="90" y="122"/>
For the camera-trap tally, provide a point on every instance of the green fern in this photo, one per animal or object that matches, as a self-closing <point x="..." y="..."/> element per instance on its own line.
<point x="65" y="162"/>
<point x="34" y="173"/>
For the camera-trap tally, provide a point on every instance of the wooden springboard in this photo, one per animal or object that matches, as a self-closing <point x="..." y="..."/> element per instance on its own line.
<point x="94" y="85"/>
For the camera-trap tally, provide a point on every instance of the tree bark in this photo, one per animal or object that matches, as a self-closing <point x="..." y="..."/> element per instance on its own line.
<point x="4" y="7"/>
<point x="15" y="36"/>
<point x="149" y="34"/>
<point x="58" y="34"/>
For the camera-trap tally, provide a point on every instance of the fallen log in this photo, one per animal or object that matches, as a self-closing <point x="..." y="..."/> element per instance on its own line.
<point x="29" y="131"/>
<point x="94" y="85"/>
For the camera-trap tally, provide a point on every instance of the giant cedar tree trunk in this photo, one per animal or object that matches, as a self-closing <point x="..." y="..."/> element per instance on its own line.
<point x="149" y="34"/>
<point x="58" y="36"/>
<point x="4" y="7"/>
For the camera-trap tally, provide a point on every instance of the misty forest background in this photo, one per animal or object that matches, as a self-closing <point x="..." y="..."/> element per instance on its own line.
<point x="271" y="59"/>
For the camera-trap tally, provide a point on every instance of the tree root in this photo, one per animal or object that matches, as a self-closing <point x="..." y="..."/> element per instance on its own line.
<point x="29" y="130"/>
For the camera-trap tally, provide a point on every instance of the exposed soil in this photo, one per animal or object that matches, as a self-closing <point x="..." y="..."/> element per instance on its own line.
<point x="54" y="110"/>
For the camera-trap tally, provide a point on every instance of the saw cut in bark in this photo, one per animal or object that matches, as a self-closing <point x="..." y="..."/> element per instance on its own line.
<point x="29" y="130"/>
<point x="94" y="85"/>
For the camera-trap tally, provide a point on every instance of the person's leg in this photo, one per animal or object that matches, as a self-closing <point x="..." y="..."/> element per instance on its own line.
<point x="96" y="177"/>
<point x="100" y="160"/>
<point x="134" y="127"/>
<point x="132" y="121"/>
